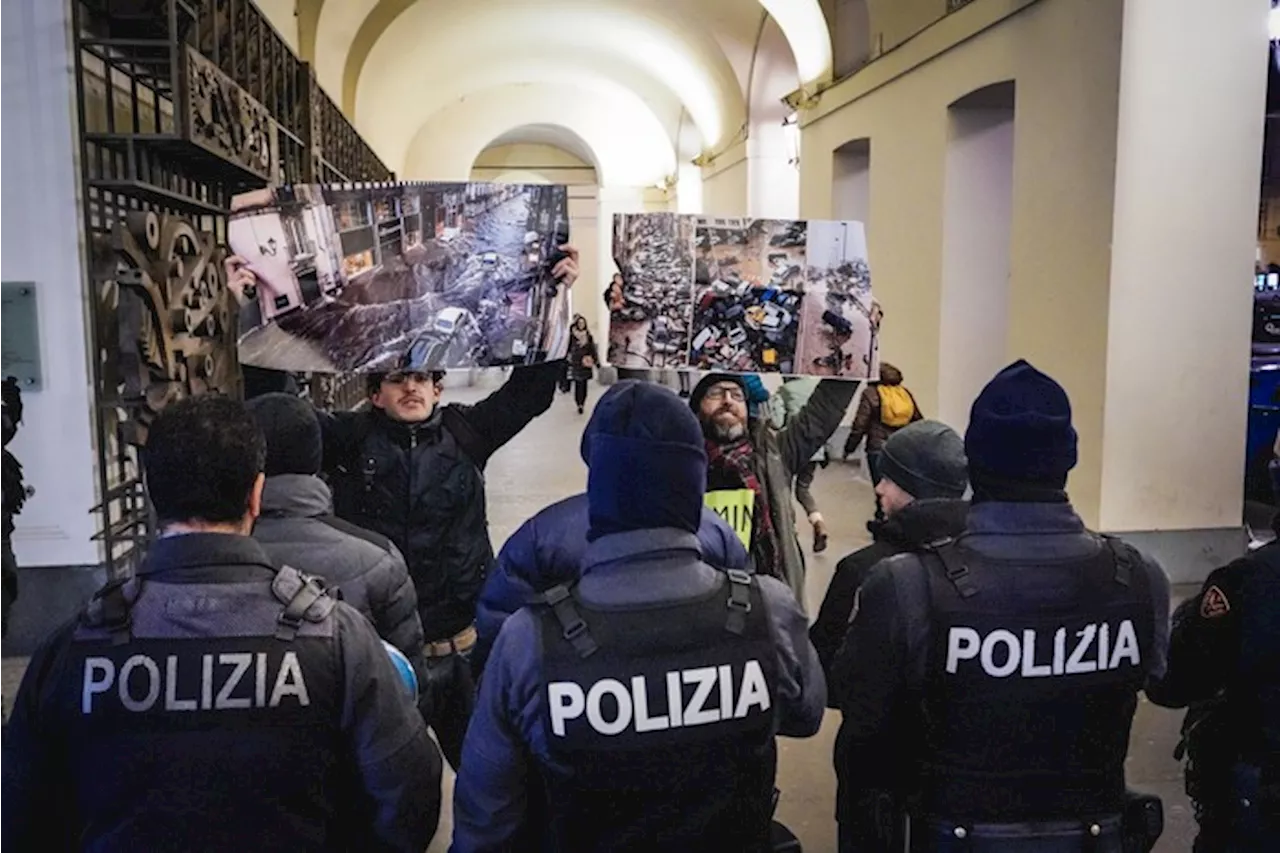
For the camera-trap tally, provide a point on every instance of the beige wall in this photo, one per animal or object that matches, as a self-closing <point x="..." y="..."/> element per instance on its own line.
<point x="1064" y="142"/>
<point x="725" y="185"/>
<point x="895" y="21"/>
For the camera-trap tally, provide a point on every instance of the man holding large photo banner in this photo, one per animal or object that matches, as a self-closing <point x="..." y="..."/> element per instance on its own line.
<point x="412" y="470"/>
<point x="751" y="466"/>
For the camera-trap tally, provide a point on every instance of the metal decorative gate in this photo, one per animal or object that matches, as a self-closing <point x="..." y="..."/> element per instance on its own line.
<point x="180" y="105"/>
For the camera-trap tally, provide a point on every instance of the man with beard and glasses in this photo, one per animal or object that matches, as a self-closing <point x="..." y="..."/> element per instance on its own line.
<point x="751" y="466"/>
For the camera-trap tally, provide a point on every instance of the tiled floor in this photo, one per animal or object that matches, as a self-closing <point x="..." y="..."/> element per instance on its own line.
<point x="542" y="465"/>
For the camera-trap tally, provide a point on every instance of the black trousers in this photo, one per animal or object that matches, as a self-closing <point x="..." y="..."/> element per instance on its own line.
<point x="448" y="698"/>
<point x="580" y="391"/>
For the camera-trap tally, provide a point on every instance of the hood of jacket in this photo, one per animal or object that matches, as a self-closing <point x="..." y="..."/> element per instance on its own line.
<point x="890" y="375"/>
<point x="921" y="522"/>
<point x="296" y="496"/>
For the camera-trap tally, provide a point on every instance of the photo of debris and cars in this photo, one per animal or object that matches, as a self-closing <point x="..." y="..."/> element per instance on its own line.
<point x="764" y="296"/>
<point x="401" y="276"/>
<point x="747" y="294"/>
<point x="650" y="297"/>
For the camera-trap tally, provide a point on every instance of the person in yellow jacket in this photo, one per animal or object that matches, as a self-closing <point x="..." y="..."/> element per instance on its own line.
<point x="885" y="408"/>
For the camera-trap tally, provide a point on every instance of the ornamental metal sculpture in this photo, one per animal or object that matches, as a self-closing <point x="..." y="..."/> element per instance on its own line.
<point x="175" y="331"/>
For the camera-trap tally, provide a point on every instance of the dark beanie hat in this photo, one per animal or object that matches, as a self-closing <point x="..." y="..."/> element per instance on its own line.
<point x="648" y="469"/>
<point x="926" y="460"/>
<point x="294" y="444"/>
<point x="1020" y="430"/>
<point x="704" y="385"/>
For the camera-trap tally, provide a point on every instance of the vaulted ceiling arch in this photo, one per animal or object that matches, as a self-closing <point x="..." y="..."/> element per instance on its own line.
<point x="622" y="139"/>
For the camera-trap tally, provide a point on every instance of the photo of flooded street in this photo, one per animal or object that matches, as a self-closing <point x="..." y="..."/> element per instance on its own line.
<point x="403" y="276"/>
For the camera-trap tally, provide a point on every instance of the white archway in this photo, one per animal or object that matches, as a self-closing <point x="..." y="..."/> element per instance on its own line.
<point x="629" y="145"/>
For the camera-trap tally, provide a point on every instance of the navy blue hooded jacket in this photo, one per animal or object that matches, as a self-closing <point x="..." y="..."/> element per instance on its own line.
<point x="548" y="550"/>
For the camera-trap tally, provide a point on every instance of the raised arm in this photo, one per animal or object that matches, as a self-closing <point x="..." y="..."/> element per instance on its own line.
<point x="498" y="418"/>
<point x="809" y="430"/>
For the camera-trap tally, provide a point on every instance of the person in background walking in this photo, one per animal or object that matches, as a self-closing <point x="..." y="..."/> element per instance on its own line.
<point x="883" y="410"/>
<point x="787" y="403"/>
<point x="583" y="358"/>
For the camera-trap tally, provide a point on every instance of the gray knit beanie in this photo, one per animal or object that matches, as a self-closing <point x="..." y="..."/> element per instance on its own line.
<point x="926" y="460"/>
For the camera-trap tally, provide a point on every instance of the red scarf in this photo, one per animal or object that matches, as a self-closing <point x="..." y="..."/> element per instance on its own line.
<point x="729" y="467"/>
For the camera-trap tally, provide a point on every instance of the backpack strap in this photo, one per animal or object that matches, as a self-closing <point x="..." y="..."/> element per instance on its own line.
<point x="1122" y="556"/>
<point x="953" y="566"/>
<point x="305" y="599"/>
<point x="111" y="608"/>
<point x="739" y="603"/>
<point x="560" y="599"/>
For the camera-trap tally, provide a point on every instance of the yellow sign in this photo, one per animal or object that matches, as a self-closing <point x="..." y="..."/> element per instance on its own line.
<point x="737" y="508"/>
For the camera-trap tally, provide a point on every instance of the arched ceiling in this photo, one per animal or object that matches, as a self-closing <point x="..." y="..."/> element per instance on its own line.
<point x="624" y="141"/>
<point x="548" y="134"/>
<point x="396" y="65"/>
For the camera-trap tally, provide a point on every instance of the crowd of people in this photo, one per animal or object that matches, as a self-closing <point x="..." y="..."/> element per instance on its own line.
<point x="617" y="676"/>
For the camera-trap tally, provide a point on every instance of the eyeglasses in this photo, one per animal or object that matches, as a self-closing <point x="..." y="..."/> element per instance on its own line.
<point x="720" y="392"/>
<point x="402" y="376"/>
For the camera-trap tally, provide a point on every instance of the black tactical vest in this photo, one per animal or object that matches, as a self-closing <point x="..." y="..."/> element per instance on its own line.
<point x="660" y="724"/>
<point x="1031" y="684"/>
<point x="192" y="710"/>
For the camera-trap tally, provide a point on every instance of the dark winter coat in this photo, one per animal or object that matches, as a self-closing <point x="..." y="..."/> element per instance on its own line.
<point x="548" y="550"/>
<point x="867" y="422"/>
<point x="908" y="529"/>
<point x="422" y="486"/>
<point x="340" y="761"/>
<point x="297" y="528"/>
<point x="876" y="677"/>
<point x="579" y="352"/>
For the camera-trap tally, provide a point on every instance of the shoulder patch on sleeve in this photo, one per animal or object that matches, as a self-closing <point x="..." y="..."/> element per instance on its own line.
<point x="1214" y="603"/>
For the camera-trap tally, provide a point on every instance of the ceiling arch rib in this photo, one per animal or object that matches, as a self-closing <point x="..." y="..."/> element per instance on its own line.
<point x="625" y="142"/>
<point x="805" y="27"/>
<point x="553" y="135"/>
<point x="438" y="44"/>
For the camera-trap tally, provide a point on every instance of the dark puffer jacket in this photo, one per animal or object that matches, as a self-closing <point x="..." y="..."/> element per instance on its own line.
<point x="297" y="528"/>
<point x="548" y="550"/>
<point x="422" y="486"/>
<point x="908" y="529"/>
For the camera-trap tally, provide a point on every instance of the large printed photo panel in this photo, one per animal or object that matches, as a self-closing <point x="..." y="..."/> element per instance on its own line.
<point x="416" y="276"/>
<point x="742" y="295"/>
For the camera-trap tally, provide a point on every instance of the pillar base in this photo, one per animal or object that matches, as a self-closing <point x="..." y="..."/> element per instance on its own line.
<point x="1188" y="556"/>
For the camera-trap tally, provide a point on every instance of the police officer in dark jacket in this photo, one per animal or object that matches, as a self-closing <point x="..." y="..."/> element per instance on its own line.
<point x="15" y="495"/>
<point x="1224" y="662"/>
<point x="638" y="711"/>
<point x="215" y="701"/>
<point x="1002" y="668"/>
<point x="547" y="550"/>
<point x="297" y="527"/>
<point x="922" y="481"/>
